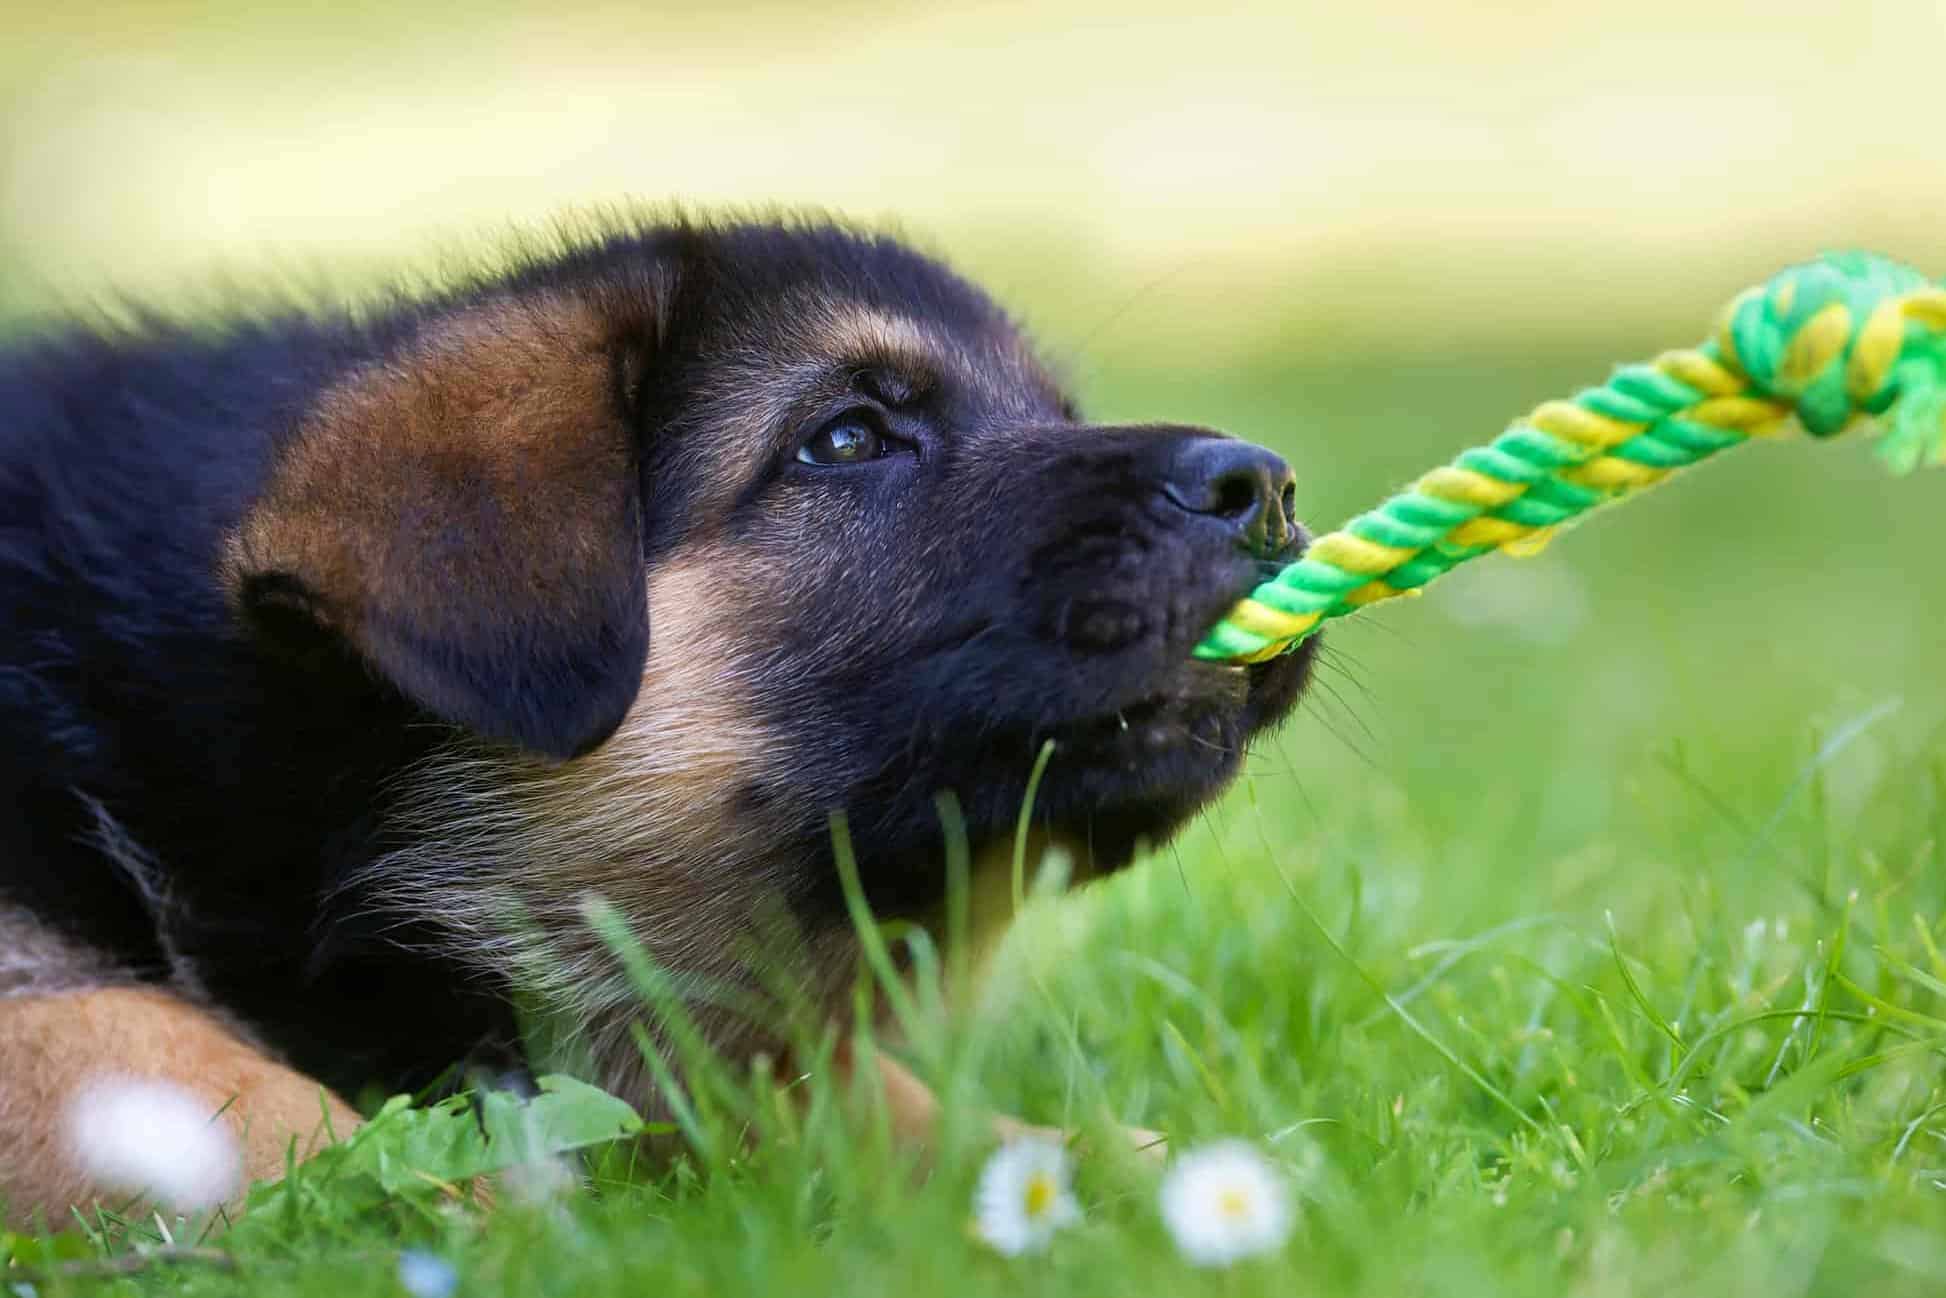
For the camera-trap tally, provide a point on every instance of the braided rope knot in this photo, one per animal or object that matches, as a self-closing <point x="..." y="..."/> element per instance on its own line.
<point x="1844" y="339"/>
<point x="1848" y="335"/>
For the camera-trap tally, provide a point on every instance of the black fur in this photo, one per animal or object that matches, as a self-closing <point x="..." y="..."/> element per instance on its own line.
<point x="1019" y="578"/>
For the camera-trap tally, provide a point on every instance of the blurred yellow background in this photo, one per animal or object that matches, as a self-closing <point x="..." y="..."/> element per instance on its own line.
<point x="1366" y="173"/>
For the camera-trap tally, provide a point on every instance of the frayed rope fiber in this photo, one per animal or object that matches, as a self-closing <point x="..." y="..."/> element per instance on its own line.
<point x="1847" y="339"/>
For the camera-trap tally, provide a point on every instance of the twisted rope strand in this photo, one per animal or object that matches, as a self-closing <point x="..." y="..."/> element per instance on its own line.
<point x="1846" y="339"/>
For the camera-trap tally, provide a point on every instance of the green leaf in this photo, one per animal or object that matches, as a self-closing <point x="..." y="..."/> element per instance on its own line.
<point x="566" y="1115"/>
<point x="410" y="1155"/>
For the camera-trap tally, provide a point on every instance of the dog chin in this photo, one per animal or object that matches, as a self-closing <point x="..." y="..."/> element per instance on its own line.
<point x="1145" y="767"/>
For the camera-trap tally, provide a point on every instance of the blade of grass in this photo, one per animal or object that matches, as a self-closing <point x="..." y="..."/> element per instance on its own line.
<point x="1405" y="1016"/>
<point x="1024" y="822"/>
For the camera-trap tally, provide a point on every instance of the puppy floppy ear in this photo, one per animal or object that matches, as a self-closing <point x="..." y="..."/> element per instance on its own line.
<point x="465" y="516"/>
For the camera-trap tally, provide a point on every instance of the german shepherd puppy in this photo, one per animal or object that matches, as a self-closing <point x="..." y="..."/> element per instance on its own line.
<point x="344" y="655"/>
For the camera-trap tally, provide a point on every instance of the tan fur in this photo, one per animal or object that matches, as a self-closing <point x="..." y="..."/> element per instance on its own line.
<point x="646" y="823"/>
<point x="643" y="822"/>
<point x="500" y="422"/>
<point x="52" y="1046"/>
<point x="857" y="335"/>
<point x="690" y="734"/>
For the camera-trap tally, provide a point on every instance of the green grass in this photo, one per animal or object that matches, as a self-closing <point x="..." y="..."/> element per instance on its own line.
<point x="1582" y="936"/>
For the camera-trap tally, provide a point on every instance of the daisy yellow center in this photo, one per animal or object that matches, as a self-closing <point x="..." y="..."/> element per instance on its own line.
<point x="1233" y="1203"/>
<point x="1040" y="1194"/>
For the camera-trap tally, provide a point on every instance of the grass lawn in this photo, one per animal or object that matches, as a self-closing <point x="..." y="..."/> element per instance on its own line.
<point x="1582" y="936"/>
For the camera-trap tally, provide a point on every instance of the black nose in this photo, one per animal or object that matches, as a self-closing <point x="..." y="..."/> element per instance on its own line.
<point x="1246" y="487"/>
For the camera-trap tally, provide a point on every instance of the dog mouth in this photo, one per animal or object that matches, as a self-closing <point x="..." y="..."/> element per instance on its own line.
<point x="1173" y="746"/>
<point x="1124" y="779"/>
<point x="1162" y="721"/>
<point x="1107" y="779"/>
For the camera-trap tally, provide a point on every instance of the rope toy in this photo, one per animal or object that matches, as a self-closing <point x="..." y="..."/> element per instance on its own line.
<point x="1847" y="339"/>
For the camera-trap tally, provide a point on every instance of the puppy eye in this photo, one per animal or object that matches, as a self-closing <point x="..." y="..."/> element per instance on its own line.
<point x="847" y="440"/>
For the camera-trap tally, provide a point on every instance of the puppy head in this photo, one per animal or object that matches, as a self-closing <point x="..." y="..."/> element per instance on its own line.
<point x="750" y="525"/>
<point x="915" y="564"/>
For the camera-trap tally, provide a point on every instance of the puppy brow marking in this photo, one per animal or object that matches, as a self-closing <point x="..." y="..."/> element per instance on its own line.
<point x="1002" y="369"/>
<point x="760" y="387"/>
<point x="858" y="335"/>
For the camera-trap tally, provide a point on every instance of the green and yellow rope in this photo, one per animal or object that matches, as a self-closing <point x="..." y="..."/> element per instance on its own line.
<point x="1847" y="339"/>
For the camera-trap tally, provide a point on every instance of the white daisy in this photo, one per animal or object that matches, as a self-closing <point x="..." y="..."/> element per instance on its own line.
<point x="1224" y="1202"/>
<point x="1024" y="1196"/>
<point x="145" y="1136"/>
<point x="426" y="1275"/>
